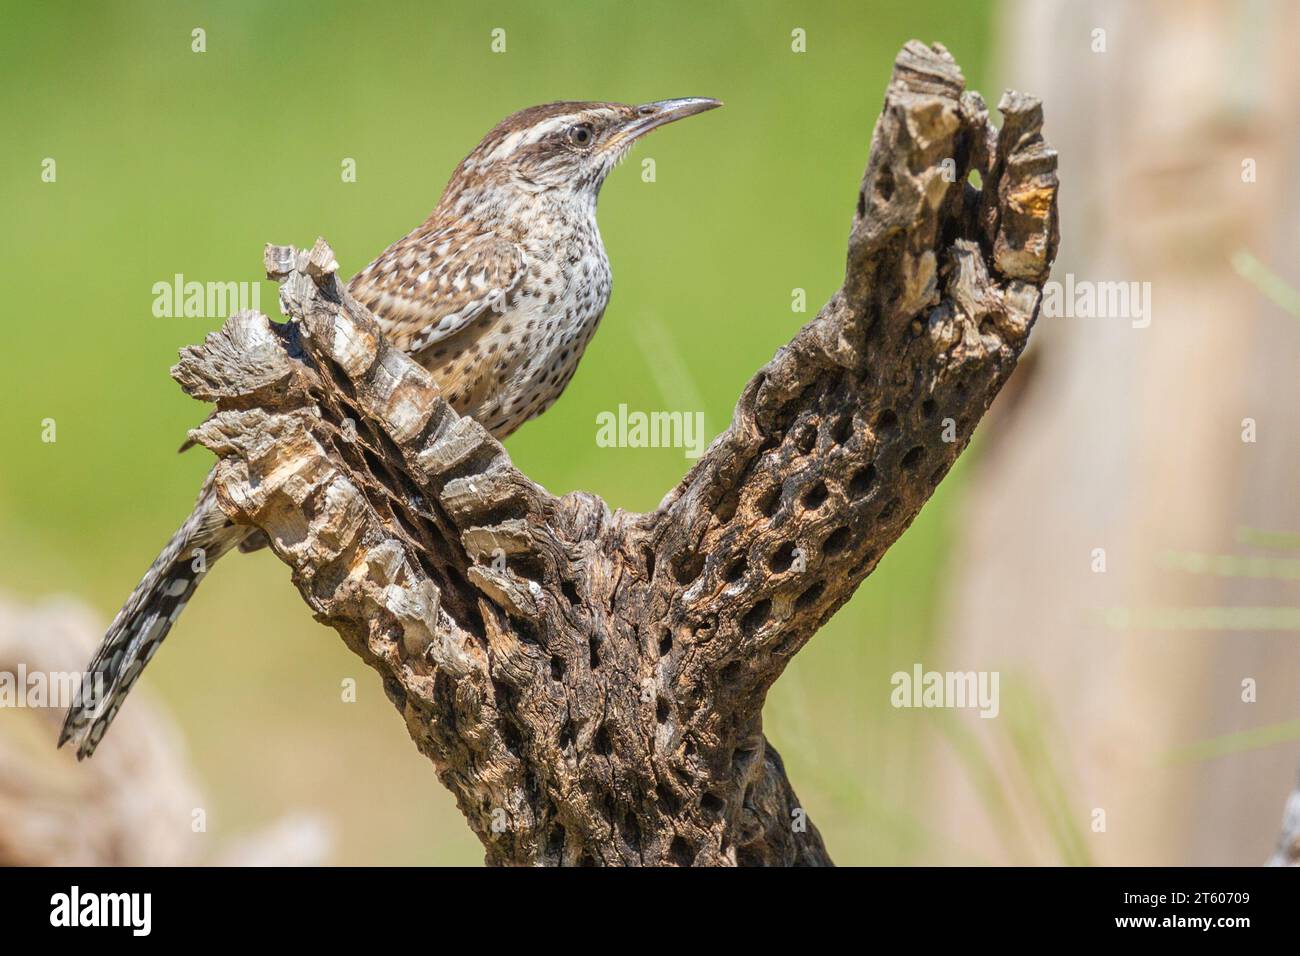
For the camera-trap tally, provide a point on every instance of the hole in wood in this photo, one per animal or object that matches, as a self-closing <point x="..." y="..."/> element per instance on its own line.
<point x="809" y="597"/>
<point x="725" y="509"/>
<point x="670" y="801"/>
<point x="756" y="616"/>
<point x="632" y="831"/>
<point x="862" y="481"/>
<point x="555" y="841"/>
<point x="843" y="430"/>
<point x="680" y="852"/>
<point x="571" y="592"/>
<point x="782" y="558"/>
<point x="688" y="567"/>
<point x="885" y="184"/>
<point x="815" y="496"/>
<point x="835" y="542"/>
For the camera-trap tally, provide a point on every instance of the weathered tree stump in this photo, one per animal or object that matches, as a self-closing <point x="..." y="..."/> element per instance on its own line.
<point x="588" y="683"/>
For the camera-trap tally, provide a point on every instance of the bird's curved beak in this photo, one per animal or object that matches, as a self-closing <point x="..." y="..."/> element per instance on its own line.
<point x="653" y="115"/>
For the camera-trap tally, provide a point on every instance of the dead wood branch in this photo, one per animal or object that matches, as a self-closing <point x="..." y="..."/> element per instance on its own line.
<point x="588" y="683"/>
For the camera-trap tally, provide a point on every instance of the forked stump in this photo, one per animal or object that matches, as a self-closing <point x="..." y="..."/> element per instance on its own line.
<point x="588" y="683"/>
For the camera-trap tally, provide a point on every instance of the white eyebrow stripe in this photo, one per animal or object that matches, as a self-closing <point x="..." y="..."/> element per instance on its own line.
<point x="531" y="135"/>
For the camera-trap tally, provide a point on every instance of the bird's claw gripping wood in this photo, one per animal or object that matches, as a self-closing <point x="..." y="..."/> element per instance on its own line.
<point x="588" y="683"/>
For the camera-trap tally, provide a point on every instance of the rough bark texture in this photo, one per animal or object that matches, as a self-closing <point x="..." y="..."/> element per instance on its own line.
<point x="588" y="683"/>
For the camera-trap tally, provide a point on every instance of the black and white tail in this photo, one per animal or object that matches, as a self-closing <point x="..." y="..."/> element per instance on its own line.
<point x="146" y="617"/>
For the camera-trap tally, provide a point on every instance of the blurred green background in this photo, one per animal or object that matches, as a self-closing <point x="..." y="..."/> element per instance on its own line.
<point x="170" y="161"/>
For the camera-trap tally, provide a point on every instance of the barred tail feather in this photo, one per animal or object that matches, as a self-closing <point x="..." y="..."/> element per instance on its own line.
<point x="146" y="617"/>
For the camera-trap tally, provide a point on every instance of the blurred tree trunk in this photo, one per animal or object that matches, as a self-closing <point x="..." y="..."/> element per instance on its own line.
<point x="1130" y="440"/>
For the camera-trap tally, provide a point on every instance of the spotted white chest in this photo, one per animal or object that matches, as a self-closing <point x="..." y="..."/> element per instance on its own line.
<point x="512" y="364"/>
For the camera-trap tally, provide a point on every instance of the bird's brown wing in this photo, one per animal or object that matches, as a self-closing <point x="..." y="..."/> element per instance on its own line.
<point x="434" y="282"/>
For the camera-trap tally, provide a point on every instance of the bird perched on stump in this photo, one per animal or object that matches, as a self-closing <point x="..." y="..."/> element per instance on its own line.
<point x="496" y="293"/>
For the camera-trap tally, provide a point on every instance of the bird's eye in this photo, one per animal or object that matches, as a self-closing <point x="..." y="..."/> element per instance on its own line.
<point x="581" y="135"/>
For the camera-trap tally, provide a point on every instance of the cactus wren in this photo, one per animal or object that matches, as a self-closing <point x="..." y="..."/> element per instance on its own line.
<point x="496" y="293"/>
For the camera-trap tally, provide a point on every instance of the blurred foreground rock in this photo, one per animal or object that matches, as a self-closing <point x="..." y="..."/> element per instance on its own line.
<point x="135" y="803"/>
